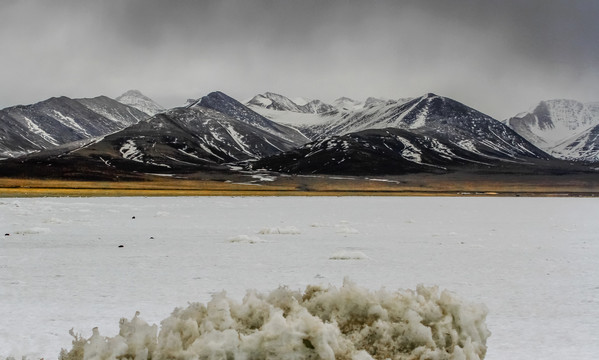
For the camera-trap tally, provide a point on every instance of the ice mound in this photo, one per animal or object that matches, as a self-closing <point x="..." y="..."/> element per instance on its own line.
<point x="349" y="255"/>
<point x="344" y="229"/>
<point x="33" y="231"/>
<point x="347" y="323"/>
<point x="54" y="220"/>
<point x="289" y="230"/>
<point x="317" y="225"/>
<point x="247" y="239"/>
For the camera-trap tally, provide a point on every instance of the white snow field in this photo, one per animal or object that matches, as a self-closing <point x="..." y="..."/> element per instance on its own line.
<point x="532" y="261"/>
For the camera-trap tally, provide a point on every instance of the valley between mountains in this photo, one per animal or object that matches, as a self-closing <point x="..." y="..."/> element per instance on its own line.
<point x="424" y="145"/>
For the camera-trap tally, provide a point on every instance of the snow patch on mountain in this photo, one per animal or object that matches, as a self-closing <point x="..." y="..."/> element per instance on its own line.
<point x="238" y="138"/>
<point x="420" y="119"/>
<point x="38" y="130"/>
<point x="130" y="151"/>
<point x="410" y="152"/>
<point x="70" y="122"/>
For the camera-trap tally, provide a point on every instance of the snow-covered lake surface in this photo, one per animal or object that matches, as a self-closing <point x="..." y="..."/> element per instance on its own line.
<point x="534" y="262"/>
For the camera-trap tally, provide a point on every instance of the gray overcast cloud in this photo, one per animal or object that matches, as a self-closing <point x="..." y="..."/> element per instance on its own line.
<point x="499" y="56"/>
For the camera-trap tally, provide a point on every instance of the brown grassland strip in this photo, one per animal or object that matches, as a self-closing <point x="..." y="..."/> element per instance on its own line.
<point x="302" y="186"/>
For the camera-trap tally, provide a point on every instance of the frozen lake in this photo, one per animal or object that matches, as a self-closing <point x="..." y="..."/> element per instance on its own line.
<point x="532" y="261"/>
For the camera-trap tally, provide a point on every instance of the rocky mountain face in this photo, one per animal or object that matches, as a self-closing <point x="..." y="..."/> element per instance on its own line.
<point x="136" y="99"/>
<point x="566" y="129"/>
<point x="61" y="120"/>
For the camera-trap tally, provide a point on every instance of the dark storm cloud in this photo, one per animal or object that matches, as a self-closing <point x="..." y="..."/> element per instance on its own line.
<point x="500" y="56"/>
<point x="544" y="31"/>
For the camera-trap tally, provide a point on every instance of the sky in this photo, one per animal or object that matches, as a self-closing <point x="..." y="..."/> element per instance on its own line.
<point x="498" y="56"/>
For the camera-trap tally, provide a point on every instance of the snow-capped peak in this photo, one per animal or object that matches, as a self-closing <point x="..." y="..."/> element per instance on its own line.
<point x="136" y="99"/>
<point x="274" y="101"/>
<point x="552" y="122"/>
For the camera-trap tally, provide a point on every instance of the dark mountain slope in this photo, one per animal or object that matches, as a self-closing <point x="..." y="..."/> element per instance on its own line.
<point x="61" y="120"/>
<point x="381" y="151"/>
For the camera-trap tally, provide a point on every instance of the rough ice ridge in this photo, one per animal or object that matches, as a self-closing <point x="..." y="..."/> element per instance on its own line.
<point x="349" y="255"/>
<point x="287" y="230"/>
<point x="248" y="239"/>
<point x="328" y="323"/>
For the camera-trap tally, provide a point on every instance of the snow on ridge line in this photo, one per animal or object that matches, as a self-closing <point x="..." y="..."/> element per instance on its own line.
<point x="321" y="323"/>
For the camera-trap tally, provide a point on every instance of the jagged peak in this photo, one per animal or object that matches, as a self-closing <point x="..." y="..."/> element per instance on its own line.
<point x="430" y="95"/>
<point x="208" y="98"/>
<point x="217" y="96"/>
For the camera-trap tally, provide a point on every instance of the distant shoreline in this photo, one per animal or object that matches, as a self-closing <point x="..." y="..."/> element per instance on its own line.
<point x="408" y="185"/>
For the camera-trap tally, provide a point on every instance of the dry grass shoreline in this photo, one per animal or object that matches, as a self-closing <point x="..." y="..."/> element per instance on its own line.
<point x="302" y="186"/>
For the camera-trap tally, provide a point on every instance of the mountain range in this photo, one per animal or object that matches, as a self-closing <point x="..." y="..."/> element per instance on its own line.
<point x="106" y="138"/>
